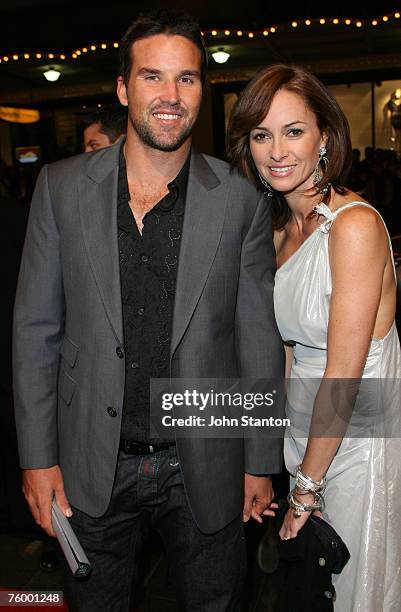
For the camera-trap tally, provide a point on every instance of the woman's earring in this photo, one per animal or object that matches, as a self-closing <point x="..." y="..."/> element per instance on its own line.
<point x="322" y="161"/>
<point x="269" y="190"/>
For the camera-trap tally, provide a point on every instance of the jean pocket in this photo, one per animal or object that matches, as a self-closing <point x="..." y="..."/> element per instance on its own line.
<point x="173" y="459"/>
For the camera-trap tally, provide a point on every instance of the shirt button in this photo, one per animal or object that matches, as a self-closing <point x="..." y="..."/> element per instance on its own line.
<point x="140" y="311"/>
<point x="134" y="365"/>
<point x="119" y="352"/>
<point x="328" y="594"/>
<point x="322" y="561"/>
<point x="111" y="411"/>
<point x="144" y="258"/>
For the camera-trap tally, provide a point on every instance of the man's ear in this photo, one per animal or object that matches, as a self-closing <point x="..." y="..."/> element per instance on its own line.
<point x="122" y="91"/>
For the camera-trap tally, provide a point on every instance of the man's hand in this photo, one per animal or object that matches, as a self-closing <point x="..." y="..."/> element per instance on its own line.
<point x="258" y="495"/>
<point x="39" y="486"/>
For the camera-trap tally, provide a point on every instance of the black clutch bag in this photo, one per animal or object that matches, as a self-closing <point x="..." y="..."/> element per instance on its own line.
<point x="332" y="543"/>
<point x="272" y="548"/>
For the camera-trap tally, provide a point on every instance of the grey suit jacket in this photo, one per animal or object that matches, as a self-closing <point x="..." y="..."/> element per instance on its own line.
<point x="68" y="326"/>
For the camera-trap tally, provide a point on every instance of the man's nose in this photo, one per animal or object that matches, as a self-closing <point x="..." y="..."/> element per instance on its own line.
<point x="170" y="92"/>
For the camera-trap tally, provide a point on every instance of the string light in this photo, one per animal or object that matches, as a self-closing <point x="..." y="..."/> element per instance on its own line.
<point x="295" y="24"/>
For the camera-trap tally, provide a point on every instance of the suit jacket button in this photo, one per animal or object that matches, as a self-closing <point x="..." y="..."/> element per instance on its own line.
<point x="112" y="412"/>
<point x="120" y="352"/>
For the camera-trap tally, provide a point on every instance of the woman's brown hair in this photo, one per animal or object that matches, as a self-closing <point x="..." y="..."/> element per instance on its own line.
<point x="254" y="104"/>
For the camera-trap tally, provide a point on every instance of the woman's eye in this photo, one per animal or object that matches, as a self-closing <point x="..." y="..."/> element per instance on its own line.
<point x="259" y="137"/>
<point x="295" y="132"/>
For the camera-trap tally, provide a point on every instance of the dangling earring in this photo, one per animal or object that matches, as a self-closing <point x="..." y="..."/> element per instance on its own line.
<point x="269" y="190"/>
<point x="323" y="160"/>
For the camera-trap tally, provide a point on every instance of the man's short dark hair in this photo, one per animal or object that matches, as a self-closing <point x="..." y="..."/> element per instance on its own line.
<point x="162" y="21"/>
<point x="112" y="120"/>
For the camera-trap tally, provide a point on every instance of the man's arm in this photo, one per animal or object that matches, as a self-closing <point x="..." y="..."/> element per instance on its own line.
<point x="259" y="350"/>
<point x="38" y="329"/>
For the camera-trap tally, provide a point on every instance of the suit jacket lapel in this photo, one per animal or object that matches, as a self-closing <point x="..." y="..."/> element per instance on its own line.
<point x="98" y="209"/>
<point x="203" y="224"/>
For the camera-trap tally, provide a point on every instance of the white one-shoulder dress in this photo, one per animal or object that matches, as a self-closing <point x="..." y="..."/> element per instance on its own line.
<point x="363" y="496"/>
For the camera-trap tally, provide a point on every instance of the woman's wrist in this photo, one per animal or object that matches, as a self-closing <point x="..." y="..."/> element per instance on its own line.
<point x="305" y="482"/>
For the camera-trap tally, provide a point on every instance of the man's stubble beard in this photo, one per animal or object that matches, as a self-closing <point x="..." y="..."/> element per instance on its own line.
<point x="147" y="135"/>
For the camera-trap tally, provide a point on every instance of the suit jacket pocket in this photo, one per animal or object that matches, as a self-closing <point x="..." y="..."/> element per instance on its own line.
<point x="69" y="351"/>
<point x="66" y="387"/>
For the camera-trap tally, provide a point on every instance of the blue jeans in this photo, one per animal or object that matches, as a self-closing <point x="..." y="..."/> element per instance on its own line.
<point x="208" y="570"/>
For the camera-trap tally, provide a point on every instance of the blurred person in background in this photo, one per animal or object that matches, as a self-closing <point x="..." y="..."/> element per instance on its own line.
<point x="104" y="127"/>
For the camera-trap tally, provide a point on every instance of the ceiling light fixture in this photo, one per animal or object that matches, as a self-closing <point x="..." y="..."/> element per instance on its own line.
<point x="52" y="75"/>
<point x="220" y="56"/>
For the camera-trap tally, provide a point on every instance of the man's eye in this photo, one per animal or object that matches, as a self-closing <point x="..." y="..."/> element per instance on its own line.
<point x="187" y="80"/>
<point x="152" y="77"/>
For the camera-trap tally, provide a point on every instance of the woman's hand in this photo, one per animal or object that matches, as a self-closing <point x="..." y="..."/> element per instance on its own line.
<point x="292" y="525"/>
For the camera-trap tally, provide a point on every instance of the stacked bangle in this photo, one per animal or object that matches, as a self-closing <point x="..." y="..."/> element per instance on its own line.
<point x="305" y="484"/>
<point x="299" y="507"/>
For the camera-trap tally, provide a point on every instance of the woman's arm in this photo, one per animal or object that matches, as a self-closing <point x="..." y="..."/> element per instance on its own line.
<point x="359" y="253"/>
<point x="289" y="355"/>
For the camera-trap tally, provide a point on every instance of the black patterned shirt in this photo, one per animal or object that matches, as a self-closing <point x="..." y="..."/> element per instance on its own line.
<point x="148" y="272"/>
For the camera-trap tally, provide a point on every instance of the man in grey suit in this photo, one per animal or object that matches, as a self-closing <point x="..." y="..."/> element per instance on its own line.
<point x="145" y="260"/>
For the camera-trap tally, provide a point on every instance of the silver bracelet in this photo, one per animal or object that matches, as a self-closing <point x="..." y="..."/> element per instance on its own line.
<point x="306" y="483"/>
<point x="299" y="507"/>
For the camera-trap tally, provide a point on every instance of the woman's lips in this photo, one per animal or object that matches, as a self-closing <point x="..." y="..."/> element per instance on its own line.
<point x="281" y="171"/>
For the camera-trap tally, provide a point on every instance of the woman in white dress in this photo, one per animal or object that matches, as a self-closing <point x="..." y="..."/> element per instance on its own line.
<point x="335" y="298"/>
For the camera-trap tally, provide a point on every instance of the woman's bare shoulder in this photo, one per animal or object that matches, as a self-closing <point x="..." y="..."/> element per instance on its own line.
<point x="356" y="227"/>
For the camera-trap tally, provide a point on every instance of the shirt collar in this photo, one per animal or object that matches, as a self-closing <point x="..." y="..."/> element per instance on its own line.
<point x="177" y="186"/>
